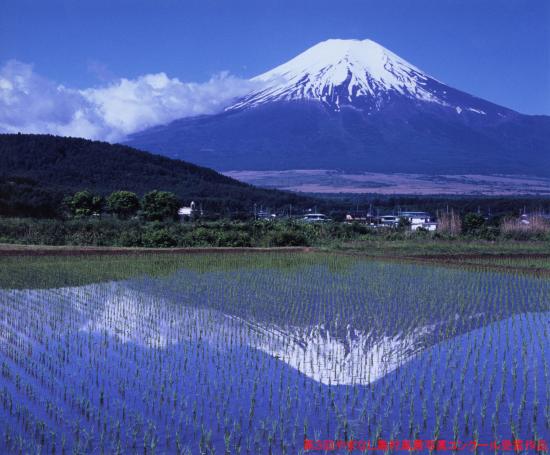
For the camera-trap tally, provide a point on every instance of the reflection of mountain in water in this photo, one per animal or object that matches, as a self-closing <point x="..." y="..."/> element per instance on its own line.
<point x="336" y="355"/>
<point x="347" y="328"/>
<point x="356" y="358"/>
<point x="113" y="309"/>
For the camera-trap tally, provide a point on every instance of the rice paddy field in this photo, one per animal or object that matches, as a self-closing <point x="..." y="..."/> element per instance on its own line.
<point x="256" y="353"/>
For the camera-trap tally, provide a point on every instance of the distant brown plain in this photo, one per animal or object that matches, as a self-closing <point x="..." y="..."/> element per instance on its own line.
<point x="331" y="181"/>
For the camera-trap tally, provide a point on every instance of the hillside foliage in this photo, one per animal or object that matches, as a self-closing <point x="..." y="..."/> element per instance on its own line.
<point x="38" y="171"/>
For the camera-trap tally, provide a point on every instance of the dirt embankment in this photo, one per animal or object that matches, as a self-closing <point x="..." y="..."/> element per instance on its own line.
<point x="467" y="260"/>
<point x="32" y="250"/>
<point x="476" y="256"/>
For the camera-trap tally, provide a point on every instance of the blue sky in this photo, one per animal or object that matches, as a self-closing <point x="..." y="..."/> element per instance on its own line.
<point x="496" y="49"/>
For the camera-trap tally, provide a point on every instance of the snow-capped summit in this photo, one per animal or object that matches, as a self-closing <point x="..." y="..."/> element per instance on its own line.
<point x="356" y="106"/>
<point x="339" y="71"/>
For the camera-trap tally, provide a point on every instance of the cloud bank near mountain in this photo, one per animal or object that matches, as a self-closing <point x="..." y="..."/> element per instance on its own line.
<point x="30" y="103"/>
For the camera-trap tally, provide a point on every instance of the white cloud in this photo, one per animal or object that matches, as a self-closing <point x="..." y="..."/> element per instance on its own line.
<point x="32" y="104"/>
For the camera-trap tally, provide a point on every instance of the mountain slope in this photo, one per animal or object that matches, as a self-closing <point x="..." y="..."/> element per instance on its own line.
<point x="37" y="170"/>
<point x="354" y="105"/>
<point x="400" y="138"/>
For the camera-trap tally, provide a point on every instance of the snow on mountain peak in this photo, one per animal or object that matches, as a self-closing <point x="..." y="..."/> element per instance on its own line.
<point x="338" y="71"/>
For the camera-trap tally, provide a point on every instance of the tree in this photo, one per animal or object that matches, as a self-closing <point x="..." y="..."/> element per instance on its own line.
<point x="160" y="205"/>
<point x="84" y="203"/>
<point x="124" y="204"/>
<point x="403" y="223"/>
<point x="472" y="223"/>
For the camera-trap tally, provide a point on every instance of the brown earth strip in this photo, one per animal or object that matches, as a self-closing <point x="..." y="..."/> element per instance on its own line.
<point x="460" y="260"/>
<point x="451" y="262"/>
<point x="32" y="250"/>
<point x="466" y="256"/>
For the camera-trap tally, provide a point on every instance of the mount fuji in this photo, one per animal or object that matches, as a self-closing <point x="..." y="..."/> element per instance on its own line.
<point x="355" y="106"/>
<point x="363" y="74"/>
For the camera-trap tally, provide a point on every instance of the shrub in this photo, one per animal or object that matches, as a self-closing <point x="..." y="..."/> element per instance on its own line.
<point x="391" y="234"/>
<point x="130" y="238"/>
<point x="158" y="237"/>
<point x="472" y="223"/>
<point x="288" y="238"/>
<point x="202" y="236"/>
<point x="234" y="239"/>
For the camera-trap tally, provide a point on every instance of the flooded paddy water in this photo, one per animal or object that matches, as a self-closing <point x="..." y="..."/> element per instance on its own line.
<point x="257" y="353"/>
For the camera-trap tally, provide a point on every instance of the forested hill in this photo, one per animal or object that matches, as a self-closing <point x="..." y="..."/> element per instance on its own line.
<point x="36" y="171"/>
